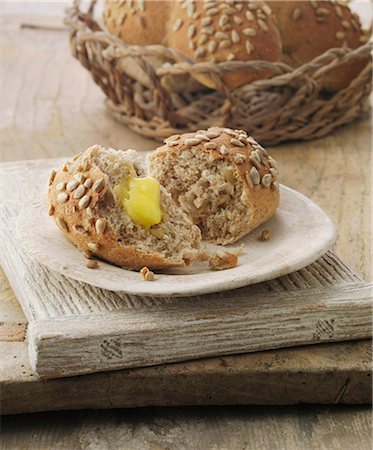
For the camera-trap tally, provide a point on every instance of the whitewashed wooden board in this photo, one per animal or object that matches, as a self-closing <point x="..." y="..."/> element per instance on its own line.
<point x="75" y="328"/>
<point x="300" y="232"/>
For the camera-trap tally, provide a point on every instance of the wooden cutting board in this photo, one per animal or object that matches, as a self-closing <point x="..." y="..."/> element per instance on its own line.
<point x="74" y="328"/>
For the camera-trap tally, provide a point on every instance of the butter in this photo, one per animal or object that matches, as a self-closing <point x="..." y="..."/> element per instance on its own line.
<point x="140" y="198"/>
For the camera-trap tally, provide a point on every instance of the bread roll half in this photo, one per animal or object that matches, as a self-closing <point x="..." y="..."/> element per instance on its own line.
<point x="223" y="179"/>
<point x="83" y="201"/>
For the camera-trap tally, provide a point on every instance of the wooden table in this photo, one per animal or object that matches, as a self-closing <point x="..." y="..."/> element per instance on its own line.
<point x="52" y="108"/>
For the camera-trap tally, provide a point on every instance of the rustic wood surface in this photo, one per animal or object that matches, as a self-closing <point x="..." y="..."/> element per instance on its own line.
<point x="44" y="91"/>
<point x="76" y="328"/>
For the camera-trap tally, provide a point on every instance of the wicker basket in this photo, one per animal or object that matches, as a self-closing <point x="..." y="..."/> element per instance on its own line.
<point x="141" y="84"/>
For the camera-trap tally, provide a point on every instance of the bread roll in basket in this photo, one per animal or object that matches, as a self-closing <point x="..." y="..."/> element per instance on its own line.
<point x="281" y="70"/>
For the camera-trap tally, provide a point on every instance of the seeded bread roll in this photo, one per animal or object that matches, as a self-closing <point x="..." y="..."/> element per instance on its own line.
<point x="294" y="32"/>
<point x="309" y="28"/>
<point x="225" y="181"/>
<point x="84" y="205"/>
<point x="223" y="31"/>
<point x="204" y="30"/>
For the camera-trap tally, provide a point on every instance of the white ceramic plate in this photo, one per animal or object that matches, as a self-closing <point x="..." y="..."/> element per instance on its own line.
<point x="300" y="232"/>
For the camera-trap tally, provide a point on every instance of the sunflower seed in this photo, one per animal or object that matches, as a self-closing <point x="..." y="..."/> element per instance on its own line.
<point x="223" y="20"/>
<point x="272" y="163"/>
<point x="100" y="226"/>
<point x="254" y="175"/>
<point x="62" y="197"/>
<point x="235" y="37"/>
<point x="192" y="45"/>
<point x="237" y="142"/>
<point x="212" y="12"/>
<point x="251" y="140"/>
<point x="177" y="24"/>
<point x="190" y="9"/>
<point x="220" y="35"/>
<point x="297" y="13"/>
<point x="99" y="185"/>
<point x="252" y="6"/>
<point x="322" y="12"/>
<point x="92" y="246"/>
<point x="211" y="145"/>
<point x="249" y="47"/>
<point x="207" y="30"/>
<point x="313" y="4"/>
<point x="255" y="159"/>
<point x="340" y="35"/>
<point x="267" y="9"/>
<point x="238" y="158"/>
<point x="212" y="134"/>
<point x="62" y="224"/>
<point x="274" y="173"/>
<point x="89" y="212"/>
<point x="249" y="16"/>
<point x="223" y="149"/>
<point x="51" y="210"/>
<point x="346" y="24"/>
<point x="71" y="185"/>
<point x="84" y="201"/>
<point x="88" y="183"/>
<point x="61" y="186"/>
<point x="79" y="192"/>
<point x="202" y="137"/>
<point x="211" y="47"/>
<point x="262" y="25"/>
<point x="191" y="31"/>
<point x="205" y="21"/>
<point x="237" y="20"/>
<point x="275" y="185"/>
<point x="52" y="177"/>
<point x="199" y="52"/>
<point x="192" y="141"/>
<point x="243" y="138"/>
<point x="171" y="143"/>
<point x="80" y="177"/>
<point x="230" y="132"/>
<point x="266" y="180"/>
<point x="230" y="57"/>
<point x="203" y="39"/>
<point x="249" y="32"/>
<point x="225" y="44"/>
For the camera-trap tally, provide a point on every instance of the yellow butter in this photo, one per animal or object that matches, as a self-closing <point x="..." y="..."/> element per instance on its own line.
<point x="140" y="198"/>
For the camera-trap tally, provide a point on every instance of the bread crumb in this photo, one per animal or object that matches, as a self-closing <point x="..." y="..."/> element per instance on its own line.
<point x="223" y="260"/>
<point x="147" y="274"/>
<point x="87" y="254"/>
<point x="92" y="264"/>
<point x="264" y="236"/>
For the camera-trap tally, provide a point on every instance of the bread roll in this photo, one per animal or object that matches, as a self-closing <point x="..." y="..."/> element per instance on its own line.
<point x="294" y="32"/>
<point x="223" y="179"/>
<point x="84" y="203"/>
<point x="203" y="30"/>
<point x="309" y="28"/>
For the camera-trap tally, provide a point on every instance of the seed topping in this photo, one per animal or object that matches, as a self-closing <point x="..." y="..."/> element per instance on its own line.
<point x="99" y="185"/>
<point x="237" y="142"/>
<point x="62" y="224"/>
<point x="211" y="145"/>
<point x="223" y="149"/>
<point x="84" y="201"/>
<point x="72" y="185"/>
<point x="62" y="197"/>
<point x="61" y="186"/>
<point x="266" y="180"/>
<point x="254" y="175"/>
<point x="100" y="226"/>
<point x="192" y="141"/>
<point x="79" y="192"/>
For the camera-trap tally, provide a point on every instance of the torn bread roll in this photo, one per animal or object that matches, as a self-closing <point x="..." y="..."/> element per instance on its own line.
<point x="106" y="205"/>
<point x="222" y="178"/>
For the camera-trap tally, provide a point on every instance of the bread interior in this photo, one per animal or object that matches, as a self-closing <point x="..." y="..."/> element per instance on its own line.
<point x="208" y="189"/>
<point x="175" y="237"/>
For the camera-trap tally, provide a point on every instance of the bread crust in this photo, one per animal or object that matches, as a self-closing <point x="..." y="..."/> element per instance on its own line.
<point x="308" y="29"/>
<point x="294" y="32"/>
<point x="84" y="227"/>
<point x="262" y="198"/>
